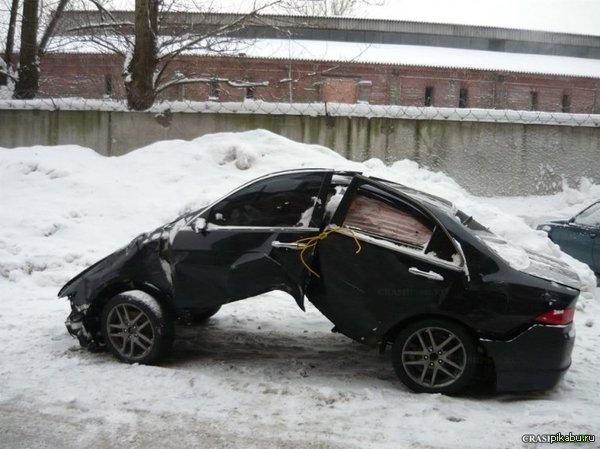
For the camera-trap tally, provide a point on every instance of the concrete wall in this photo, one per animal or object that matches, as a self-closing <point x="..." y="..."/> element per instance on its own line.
<point x="485" y="158"/>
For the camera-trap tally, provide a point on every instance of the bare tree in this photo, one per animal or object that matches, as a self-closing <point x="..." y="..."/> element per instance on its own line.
<point x="31" y="50"/>
<point x="155" y="39"/>
<point x="26" y="86"/>
<point x="139" y="78"/>
<point x="158" y="32"/>
<point x="10" y="42"/>
<point x="325" y="7"/>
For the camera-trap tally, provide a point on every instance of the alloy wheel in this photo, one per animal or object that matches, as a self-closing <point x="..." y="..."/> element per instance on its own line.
<point x="434" y="357"/>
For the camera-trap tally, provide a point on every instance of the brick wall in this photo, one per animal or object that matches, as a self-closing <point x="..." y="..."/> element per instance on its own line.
<point x="95" y="76"/>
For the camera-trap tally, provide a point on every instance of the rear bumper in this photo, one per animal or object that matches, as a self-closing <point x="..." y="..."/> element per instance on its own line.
<point x="535" y="360"/>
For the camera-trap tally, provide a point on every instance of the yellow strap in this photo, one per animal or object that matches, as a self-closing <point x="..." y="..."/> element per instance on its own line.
<point x="311" y="242"/>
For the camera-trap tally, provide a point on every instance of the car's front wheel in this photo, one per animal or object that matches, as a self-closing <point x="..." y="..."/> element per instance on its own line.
<point x="435" y="356"/>
<point x="136" y="328"/>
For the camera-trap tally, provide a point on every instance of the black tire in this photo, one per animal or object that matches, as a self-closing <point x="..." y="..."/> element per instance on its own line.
<point x="435" y="356"/>
<point x="198" y="316"/>
<point x="136" y="328"/>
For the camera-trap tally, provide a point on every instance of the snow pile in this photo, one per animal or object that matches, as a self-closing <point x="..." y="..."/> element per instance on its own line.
<point x="563" y="205"/>
<point x="260" y="364"/>
<point x="5" y="93"/>
<point x="69" y="192"/>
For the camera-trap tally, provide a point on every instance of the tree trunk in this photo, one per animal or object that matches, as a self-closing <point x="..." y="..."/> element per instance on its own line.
<point x="10" y="40"/>
<point x="139" y="74"/>
<point x="27" y="84"/>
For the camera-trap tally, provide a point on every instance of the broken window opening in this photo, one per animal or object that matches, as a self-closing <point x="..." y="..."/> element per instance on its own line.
<point x="250" y="92"/>
<point x="463" y="98"/>
<point x="108" y="86"/>
<point x="283" y="201"/>
<point x="398" y="223"/>
<point x="533" y="101"/>
<point x="428" y="96"/>
<point x="566" y="103"/>
<point x="213" y="90"/>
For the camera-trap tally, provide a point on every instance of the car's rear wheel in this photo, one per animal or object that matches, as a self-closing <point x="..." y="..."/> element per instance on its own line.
<point x="435" y="356"/>
<point x="136" y="328"/>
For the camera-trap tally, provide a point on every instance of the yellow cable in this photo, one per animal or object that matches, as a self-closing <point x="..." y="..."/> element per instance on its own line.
<point x="311" y="242"/>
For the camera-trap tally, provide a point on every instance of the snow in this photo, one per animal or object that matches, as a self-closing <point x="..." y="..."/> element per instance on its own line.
<point x="417" y="55"/>
<point x="260" y="374"/>
<point x="148" y="301"/>
<point x="403" y="55"/>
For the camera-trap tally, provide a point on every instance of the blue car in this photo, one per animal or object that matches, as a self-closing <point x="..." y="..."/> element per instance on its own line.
<point x="577" y="236"/>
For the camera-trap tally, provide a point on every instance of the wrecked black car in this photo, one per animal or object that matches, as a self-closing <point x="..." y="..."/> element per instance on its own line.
<point x="388" y="265"/>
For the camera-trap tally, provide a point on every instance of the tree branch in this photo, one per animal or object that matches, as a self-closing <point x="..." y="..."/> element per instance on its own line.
<point x="51" y="26"/>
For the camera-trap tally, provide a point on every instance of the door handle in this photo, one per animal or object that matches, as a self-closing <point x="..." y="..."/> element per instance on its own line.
<point x="288" y="245"/>
<point x="426" y="274"/>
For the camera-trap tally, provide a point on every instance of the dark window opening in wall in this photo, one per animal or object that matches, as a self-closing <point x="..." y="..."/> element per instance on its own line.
<point x="533" y="101"/>
<point x="566" y="103"/>
<point x="463" y="98"/>
<point x="108" y="87"/>
<point x="428" y="96"/>
<point x="213" y="90"/>
<point x="250" y="92"/>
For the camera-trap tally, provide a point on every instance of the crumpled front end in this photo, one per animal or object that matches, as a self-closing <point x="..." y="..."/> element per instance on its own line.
<point x="141" y="265"/>
<point x="76" y="327"/>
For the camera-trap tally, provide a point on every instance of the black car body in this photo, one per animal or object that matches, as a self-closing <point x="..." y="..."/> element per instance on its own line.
<point x="385" y="263"/>
<point x="577" y="235"/>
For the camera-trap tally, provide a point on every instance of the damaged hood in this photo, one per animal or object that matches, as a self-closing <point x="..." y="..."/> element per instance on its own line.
<point x="147" y="251"/>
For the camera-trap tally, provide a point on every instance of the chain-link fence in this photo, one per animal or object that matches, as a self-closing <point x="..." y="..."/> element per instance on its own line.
<point x="358" y="110"/>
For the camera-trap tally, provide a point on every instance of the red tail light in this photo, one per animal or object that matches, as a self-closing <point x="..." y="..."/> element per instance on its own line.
<point x="561" y="316"/>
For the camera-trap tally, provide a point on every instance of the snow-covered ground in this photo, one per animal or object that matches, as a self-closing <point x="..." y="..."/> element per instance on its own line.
<point x="261" y="374"/>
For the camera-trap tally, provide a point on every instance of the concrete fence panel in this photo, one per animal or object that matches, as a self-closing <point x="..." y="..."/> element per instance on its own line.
<point x="487" y="158"/>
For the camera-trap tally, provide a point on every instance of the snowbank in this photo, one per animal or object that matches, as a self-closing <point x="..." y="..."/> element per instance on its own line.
<point x="67" y="206"/>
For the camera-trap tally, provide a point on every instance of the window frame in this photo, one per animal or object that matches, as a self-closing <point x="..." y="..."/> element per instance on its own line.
<point x="344" y="206"/>
<point x="595" y="207"/>
<point x="314" y="222"/>
<point x="395" y="205"/>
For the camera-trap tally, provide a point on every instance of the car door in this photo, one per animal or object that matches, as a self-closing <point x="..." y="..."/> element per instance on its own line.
<point x="245" y="244"/>
<point x="389" y="259"/>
